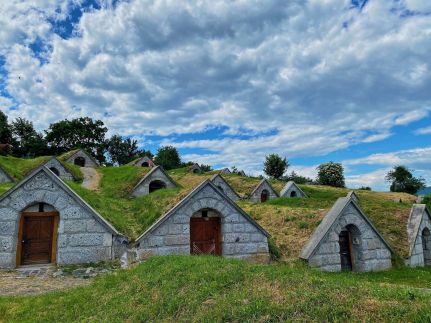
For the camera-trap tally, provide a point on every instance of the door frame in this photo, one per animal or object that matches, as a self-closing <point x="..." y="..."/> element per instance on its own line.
<point x="56" y="218"/>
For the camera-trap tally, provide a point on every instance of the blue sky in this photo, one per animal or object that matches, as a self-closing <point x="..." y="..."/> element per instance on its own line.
<point x="229" y="82"/>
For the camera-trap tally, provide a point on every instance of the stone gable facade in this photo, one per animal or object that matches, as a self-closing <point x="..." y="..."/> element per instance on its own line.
<point x="264" y="185"/>
<point x="292" y="190"/>
<point x="418" y="227"/>
<point x="224" y="186"/>
<point x="241" y="237"/>
<point x="82" y="235"/>
<point x="369" y="251"/>
<point x="56" y="167"/>
<point x="4" y="177"/>
<point x="89" y="160"/>
<point x="156" y="175"/>
<point x="144" y="162"/>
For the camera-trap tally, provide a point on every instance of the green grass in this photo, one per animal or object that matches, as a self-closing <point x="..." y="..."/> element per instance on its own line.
<point x="19" y="167"/>
<point x="210" y="289"/>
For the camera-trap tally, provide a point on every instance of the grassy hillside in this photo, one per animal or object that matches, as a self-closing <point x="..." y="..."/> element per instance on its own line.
<point x="210" y="289"/>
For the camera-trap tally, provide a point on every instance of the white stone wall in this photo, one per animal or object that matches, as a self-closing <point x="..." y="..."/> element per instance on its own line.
<point x="292" y="188"/>
<point x="373" y="254"/>
<point x="255" y="197"/>
<point x="219" y="182"/>
<point x="240" y="238"/>
<point x="81" y="237"/>
<point x="88" y="161"/>
<point x="417" y="257"/>
<point x="144" y="187"/>
<point x="64" y="173"/>
<point x="4" y="178"/>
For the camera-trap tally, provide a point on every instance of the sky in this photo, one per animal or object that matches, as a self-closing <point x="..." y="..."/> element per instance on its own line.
<point x="229" y="82"/>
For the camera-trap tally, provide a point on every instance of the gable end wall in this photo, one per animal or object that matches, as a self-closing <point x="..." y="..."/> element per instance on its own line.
<point x="255" y="197"/>
<point x="417" y="257"/>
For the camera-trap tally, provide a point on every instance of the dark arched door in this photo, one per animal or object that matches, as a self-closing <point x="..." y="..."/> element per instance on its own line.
<point x="426" y="245"/>
<point x="55" y="171"/>
<point x="156" y="185"/>
<point x="80" y="161"/>
<point x="293" y="194"/>
<point x="264" y="196"/>
<point x="345" y="242"/>
<point x="145" y="164"/>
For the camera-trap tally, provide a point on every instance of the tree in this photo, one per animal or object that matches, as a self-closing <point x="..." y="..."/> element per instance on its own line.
<point x="143" y="152"/>
<point x="168" y="157"/>
<point x="205" y="168"/>
<point x="331" y="174"/>
<point x="298" y="179"/>
<point x="275" y="166"/>
<point x="28" y="143"/>
<point x="83" y="133"/>
<point x="402" y="180"/>
<point x="5" y="130"/>
<point x="122" y="150"/>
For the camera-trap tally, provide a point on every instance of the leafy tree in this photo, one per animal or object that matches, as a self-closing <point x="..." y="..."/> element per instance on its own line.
<point x="5" y="130"/>
<point x="331" y="174"/>
<point x="27" y="141"/>
<point x="168" y="157"/>
<point x="143" y="152"/>
<point x="205" y="168"/>
<point x="83" y="133"/>
<point x="122" y="150"/>
<point x="365" y="188"/>
<point x="275" y="166"/>
<point x="298" y="179"/>
<point x="402" y="180"/>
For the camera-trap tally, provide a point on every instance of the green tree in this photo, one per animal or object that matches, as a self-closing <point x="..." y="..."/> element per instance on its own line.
<point x="275" y="166"/>
<point x="331" y="174"/>
<point x="298" y="179"/>
<point x="83" y="133"/>
<point x="168" y="157"/>
<point x="5" y="130"/>
<point x="28" y="143"/>
<point x="122" y="150"/>
<point x="402" y="180"/>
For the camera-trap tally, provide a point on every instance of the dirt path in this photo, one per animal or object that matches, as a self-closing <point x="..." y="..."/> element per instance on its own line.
<point x="91" y="178"/>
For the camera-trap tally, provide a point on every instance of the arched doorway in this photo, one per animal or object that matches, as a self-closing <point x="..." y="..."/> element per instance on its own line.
<point x="145" y="164"/>
<point x="264" y="196"/>
<point x="37" y="236"/>
<point x="293" y="194"/>
<point x="426" y="245"/>
<point x="205" y="233"/>
<point x="156" y="185"/>
<point x="195" y="170"/>
<point x="349" y="242"/>
<point x="55" y="171"/>
<point x="79" y="161"/>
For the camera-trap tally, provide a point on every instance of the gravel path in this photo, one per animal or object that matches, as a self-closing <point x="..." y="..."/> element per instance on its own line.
<point x="91" y="178"/>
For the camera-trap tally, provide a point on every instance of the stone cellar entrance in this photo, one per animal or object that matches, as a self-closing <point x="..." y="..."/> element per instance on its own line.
<point x="205" y="233"/>
<point x="426" y="245"/>
<point x="264" y="196"/>
<point x="79" y="161"/>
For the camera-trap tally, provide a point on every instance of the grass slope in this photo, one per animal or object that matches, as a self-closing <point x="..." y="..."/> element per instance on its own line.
<point x="212" y="289"/>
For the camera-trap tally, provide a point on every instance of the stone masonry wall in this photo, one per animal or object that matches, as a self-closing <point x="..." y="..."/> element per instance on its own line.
<point x="64" y="173"/>
<point x="255" y="197"/>
<point x="88" y="161"/>
<point x="417" y="257"/>
<point x="292" y="188"/>
<point x="4" y="178"/>
<point x="240" y="238"/>
<point x="144" y="187"/>
<point x="81" y="238"/>
<point x="226" y="189"/>
<point x="373" y="254"/>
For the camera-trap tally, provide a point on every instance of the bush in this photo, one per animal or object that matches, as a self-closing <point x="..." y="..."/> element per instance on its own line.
<point x="275" y="166"/>
<point x="331" y="174"/>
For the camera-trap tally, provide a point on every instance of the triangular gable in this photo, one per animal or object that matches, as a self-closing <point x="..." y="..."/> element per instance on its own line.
<point x="189" y="196"/>
<point x="65" y="188"/>
<point x="58" y="164"/>
<point x="150" y="174"/>
<point x="214" y="177"/>
<point x="329" y="221"/>
<point x="195" y="167"/>
<point x="225" y="171"/>
<point x="353" y="195"/>
<point x="416" y="216"/>
<point x="85" y="153"/>
<point x="261" y="183"/>
<point x="139" y="161"/>
<point x="5" y="175"/>
<point x="288" y="186"/>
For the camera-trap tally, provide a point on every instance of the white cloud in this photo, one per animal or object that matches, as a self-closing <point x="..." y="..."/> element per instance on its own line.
<point x="423" y="131"/>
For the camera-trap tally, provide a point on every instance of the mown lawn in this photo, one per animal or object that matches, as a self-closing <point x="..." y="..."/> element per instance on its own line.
<point x="209" y="289"/>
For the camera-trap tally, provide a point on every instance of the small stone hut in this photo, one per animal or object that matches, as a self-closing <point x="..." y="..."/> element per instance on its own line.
<point x="206" y="221"/>
<point x="83" y="159"/>
<point x="55" y="166"/>
<point x="292" y="190"/>
<point x="263" y="192"/>
<point x="43" y="221"/>
<point x="4" y="176"/>
<point x="225" y="171"/>
<point x="144" y="162"/>
<point x="157" y="178"/>
<point x="346" y="240"/>
<point x="195" y="168"/>
<point x="419" y="236"/>
<point x="224" y="186"/>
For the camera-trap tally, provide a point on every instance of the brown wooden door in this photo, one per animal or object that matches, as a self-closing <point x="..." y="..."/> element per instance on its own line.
<point x="345" y="251"/>
<point x="264" y="196"/>
<point x="205" y="236"/>
<point x="37" y="240"/>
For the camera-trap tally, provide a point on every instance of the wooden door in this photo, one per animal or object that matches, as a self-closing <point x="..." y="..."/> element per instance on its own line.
<point x="37" y="238"/>
<point x="80" y="161"/>
<point x="205" y="236"/>
<point x="264" y="196"/>
<point x="345" y="251"/>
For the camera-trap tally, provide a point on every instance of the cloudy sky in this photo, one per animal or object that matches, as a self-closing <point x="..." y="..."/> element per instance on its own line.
<point x="228" y="82"/>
